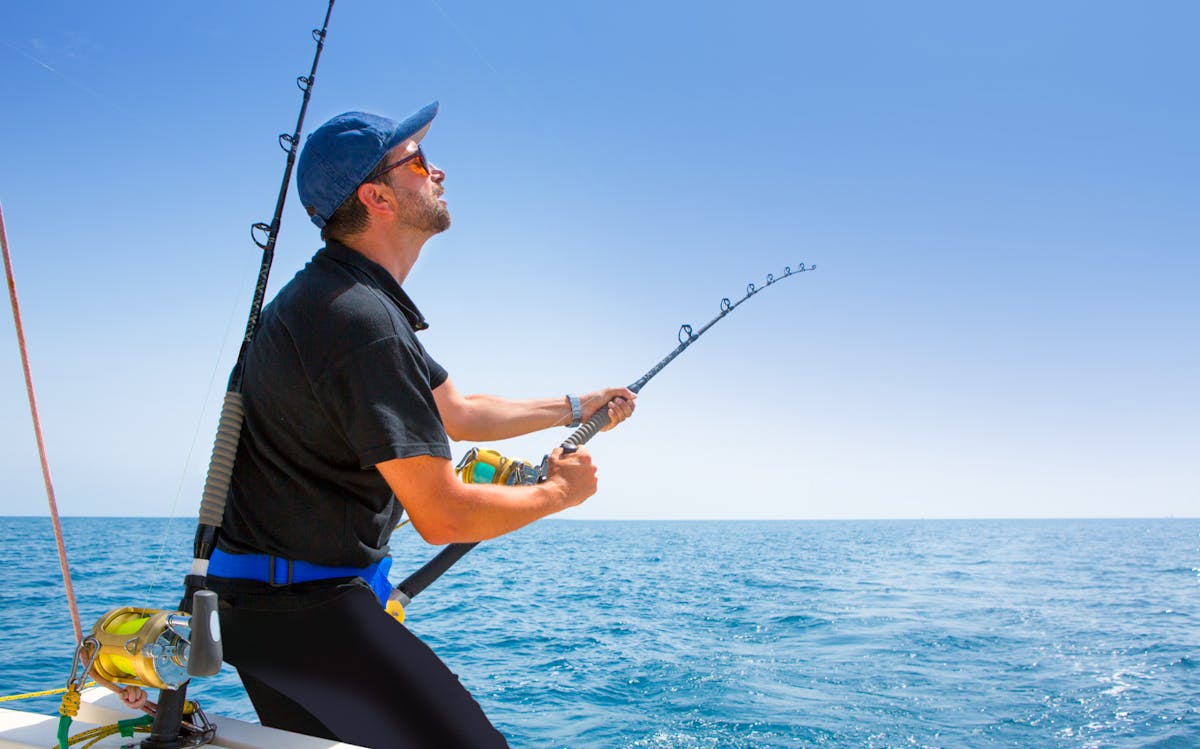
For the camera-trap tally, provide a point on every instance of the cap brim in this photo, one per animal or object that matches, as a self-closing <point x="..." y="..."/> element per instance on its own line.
<point x="414" y="127"/>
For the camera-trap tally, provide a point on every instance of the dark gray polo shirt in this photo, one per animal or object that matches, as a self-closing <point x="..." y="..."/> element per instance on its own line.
<point x="335" y="382"/>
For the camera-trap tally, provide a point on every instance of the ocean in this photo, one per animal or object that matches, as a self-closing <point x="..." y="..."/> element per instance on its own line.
<point x="864" y="634"/>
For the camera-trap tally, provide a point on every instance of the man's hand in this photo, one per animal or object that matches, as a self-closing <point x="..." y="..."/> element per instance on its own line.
<point x="133" y="697"/>
<point x="574" y="473"/>
<point x="620" y="401"/>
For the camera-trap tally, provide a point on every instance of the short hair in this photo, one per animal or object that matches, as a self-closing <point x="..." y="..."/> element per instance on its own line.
<point x="351" y="216"/>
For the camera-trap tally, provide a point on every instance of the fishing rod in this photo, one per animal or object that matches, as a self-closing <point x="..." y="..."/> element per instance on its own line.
<point x="165" y="649"/>
<point x="229" y="427"/>
<point x="500" y="467"/>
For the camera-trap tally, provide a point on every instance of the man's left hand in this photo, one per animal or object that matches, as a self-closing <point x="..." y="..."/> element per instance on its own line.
<point x="620" y="402"/>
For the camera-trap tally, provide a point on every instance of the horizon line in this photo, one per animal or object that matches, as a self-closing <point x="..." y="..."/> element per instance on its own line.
<point x="723" y="519"/>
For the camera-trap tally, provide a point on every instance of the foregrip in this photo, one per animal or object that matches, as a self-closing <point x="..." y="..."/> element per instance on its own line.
<point x="220" y="468"/>
<point x="590" y="429"/>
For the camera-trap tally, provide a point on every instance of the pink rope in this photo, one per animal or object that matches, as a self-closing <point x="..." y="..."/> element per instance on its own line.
<point x="37" y="430"/>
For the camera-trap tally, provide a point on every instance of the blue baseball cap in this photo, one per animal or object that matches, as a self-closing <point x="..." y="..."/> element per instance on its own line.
<point x="339" y="155"/>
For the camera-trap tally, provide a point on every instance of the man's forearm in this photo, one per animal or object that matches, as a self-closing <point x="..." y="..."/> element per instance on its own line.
<point x="477" y="512"/>
<point x="484" y="418"/>
<point x="446" y="510"/>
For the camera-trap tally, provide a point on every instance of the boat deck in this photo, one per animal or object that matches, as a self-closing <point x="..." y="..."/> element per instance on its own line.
<point x="20" y="729"/>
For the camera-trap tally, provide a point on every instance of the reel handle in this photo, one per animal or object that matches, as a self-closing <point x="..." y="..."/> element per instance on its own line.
<point x="204" y="652"/>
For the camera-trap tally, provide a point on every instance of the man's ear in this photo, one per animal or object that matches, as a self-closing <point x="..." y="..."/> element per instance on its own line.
<point x="375" y="197"/>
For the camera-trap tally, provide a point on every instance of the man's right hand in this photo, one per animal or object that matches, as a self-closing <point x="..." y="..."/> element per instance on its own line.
<point x="576" y="474"/>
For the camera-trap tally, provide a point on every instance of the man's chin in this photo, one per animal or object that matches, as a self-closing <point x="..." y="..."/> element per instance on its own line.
<point x="443" y="221"/>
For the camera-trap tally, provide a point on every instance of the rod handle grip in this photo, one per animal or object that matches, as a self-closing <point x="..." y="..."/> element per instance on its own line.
<point x="589" y="429"/>
<point x="205" y="653"/>
<point x="433" y="569"/>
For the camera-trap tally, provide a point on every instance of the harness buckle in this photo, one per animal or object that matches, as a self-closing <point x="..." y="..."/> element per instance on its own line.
<point x="280" y="569"/>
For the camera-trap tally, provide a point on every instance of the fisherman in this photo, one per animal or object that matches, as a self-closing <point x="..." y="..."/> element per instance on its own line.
<point x="347" y="421"/>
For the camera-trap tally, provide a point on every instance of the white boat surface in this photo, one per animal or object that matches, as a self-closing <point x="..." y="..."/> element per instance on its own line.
<point x="99" y="707"/>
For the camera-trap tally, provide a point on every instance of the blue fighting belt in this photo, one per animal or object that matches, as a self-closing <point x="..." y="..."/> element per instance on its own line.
<point x="277" y="571"/>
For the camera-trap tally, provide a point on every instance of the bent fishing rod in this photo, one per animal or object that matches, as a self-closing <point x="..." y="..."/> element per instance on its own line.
<point x="436" y="567"/>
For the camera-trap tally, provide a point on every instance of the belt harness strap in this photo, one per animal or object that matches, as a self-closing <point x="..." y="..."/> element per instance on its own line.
<point x="278" y="572"/>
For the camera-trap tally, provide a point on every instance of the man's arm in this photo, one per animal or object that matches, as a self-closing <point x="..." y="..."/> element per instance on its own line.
<point x="485" y="418"/>
<point x="445" y="510"/>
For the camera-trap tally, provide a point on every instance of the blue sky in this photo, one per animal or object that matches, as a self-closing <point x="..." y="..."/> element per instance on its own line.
<point x="1001" y="201"/>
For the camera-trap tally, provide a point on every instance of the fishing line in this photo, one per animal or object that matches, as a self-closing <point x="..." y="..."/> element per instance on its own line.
<point x="448" y="556"/>
<point x="164" y="541"/>
<point x="550" y="135"/>
<point x="107" y="100"/>
<point x="264" y="234"/>
<point x="204" y="654"/>
<point x="470" y="43"/>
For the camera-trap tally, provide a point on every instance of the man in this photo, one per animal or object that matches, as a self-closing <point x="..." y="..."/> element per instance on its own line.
<point x="347" y="420"/>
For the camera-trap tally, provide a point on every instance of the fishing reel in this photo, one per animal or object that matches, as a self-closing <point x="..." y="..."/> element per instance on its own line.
<point x="490" y="467"/>
<point x="155" y="649"/>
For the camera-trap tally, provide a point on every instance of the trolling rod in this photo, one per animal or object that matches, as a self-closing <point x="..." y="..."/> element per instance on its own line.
<point x="447" y="557"/>
<point x="206" y="661"/>
<point x="220" y="470"/>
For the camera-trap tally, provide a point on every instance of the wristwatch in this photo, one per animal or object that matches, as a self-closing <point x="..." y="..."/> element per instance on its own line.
<point x="576" y="410"/>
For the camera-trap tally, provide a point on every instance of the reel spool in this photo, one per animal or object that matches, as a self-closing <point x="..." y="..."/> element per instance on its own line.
<point x="158" y="649"/>
<point x="490" y="467"/>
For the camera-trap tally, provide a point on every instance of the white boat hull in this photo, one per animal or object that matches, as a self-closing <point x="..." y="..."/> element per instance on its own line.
<point x="22" y="730"/>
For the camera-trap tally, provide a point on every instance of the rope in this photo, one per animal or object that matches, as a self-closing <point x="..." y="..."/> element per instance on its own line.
<point x="37" y="430"/>
<point x="94" y="736"/>
<point x="45" y="693"/>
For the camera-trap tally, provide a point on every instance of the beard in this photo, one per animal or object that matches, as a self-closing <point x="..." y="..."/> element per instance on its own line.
<point x="423" y="212"/>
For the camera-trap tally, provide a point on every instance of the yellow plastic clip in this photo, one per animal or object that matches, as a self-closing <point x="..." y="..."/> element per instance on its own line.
<point x="395" y="610"/>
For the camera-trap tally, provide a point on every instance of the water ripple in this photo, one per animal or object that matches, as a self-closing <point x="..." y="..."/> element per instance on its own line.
<point x="1058" y="634"/>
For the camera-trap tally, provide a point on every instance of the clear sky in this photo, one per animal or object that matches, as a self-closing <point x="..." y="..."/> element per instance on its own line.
<point x="1001" y="199"/>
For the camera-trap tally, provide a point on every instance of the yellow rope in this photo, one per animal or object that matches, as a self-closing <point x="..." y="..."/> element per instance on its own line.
<point x="46" y="693"/>
<point x="95" y="735"/>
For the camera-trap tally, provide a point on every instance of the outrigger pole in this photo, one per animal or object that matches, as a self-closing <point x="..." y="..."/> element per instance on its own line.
<point x="447" y="557"/>
<point x="37" y="432"/>
<point x="168" y="720"/>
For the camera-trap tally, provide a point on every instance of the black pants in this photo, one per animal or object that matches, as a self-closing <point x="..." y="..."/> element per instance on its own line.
<point x="324" y="659"/>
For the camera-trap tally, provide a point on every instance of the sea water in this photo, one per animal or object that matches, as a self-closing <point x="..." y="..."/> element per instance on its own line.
<point x="1005" y="633"/>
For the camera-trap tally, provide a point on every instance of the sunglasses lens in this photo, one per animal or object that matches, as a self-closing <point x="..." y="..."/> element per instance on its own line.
<point x="418" y="165"/>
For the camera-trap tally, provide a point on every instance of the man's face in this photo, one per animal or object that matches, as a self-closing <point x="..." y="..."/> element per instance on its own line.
<point x="418" y="188"/>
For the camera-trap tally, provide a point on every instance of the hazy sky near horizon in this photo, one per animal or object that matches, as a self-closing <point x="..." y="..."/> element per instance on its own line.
<point x="1002" y="202"/>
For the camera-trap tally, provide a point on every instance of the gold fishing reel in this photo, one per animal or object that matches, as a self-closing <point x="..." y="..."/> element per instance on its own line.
<point x="157" y="649"/>
<point x="143" y="647"/>
<point x="490" y="467"/>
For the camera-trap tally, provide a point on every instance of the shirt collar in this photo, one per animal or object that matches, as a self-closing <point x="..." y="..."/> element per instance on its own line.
<point x="378" y="277"/>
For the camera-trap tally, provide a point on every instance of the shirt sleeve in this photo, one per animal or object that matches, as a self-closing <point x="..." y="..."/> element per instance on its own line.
<point x="381" y="397"/>
<point x="437" y="373"/>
